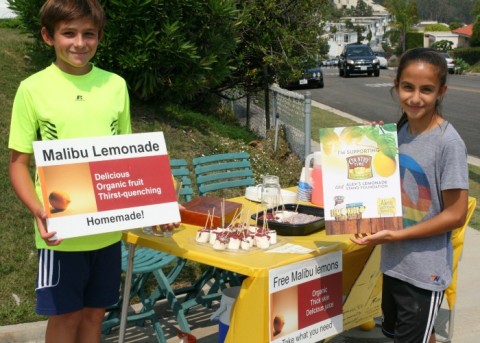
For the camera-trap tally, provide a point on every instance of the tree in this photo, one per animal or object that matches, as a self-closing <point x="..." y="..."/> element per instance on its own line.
<point x="475" y="39"/>
<point x="361" y="10"/>
<point x="442" y="45"/>
<point x="446" y="11"/>
<point x="168" y="50"/>
<point x="175" y="51"/>
<point x="369" y="35"/>
<point x="475" y="11"/>
<point x="277" y="37"/>
<point x="455" y="25"/>
<point x="405" y="14"/>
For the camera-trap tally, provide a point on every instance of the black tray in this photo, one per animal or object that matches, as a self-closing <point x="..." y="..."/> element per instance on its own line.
<point x="287" y="229"/>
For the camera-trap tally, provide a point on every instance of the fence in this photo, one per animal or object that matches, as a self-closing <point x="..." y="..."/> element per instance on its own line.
<point x="288" y="109"/>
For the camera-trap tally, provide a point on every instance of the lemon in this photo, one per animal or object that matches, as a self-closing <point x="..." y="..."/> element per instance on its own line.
<point x="384" y="166"/>
<point x="367" y="326"/>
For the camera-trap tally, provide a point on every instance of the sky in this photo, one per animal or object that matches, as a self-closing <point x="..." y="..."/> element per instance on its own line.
<point x="5" y="12"/>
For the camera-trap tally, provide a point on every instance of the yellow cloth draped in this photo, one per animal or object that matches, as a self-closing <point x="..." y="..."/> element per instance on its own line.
<point x="250" y="315"/>
<point x="458" y="237"/>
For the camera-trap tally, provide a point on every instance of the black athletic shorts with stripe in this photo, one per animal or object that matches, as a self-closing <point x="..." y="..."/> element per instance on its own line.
<point x="409" y="312"/>
<point x="69" y="281"/>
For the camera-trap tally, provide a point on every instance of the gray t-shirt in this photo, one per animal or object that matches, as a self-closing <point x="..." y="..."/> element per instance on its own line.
<point x="430" y="163"/>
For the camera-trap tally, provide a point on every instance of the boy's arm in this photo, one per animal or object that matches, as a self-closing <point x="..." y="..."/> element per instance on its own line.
<point x="24" y="187"/>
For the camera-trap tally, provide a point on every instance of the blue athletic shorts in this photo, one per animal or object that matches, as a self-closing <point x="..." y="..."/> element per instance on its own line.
<point x="70" y="281"/>
<point x="409" y="312"/>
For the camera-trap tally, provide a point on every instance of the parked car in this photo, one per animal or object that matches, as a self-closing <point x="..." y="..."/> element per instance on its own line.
<point x="358" y="59"/>
<point x="311" y="78"/>
<point x="450" y="62"/>
<point x="333" y="62"/>
<point x="381" y="59"/>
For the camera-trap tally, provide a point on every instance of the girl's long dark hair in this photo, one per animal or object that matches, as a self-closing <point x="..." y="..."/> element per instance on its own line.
<point x="425" y="55"/>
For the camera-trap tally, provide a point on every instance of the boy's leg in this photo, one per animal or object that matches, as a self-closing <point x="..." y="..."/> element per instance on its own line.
<point x="389" y="308"/>
<point x="82" y="326"/>
<point x="63" y="327"/>
<point x="102" y="291"/>
<point x="90" y="329"/>
<point x="416" y="310"/>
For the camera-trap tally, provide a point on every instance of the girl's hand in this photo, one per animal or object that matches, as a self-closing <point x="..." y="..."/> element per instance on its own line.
<point x="41" y="218"/>
<point x="373" y="123"/>
<point x="379" y="237"/>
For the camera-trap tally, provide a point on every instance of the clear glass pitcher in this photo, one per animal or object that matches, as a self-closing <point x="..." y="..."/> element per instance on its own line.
<point x="269" y="191"/>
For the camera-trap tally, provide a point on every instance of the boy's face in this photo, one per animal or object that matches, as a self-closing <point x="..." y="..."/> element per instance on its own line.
<point x="75" y="43"/>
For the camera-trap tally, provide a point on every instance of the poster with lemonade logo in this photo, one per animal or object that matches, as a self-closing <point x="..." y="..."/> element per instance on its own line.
<point x="361" y="179"/>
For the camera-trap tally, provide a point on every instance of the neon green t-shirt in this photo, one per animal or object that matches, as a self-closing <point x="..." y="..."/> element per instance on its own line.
<point x="52" y="105"/>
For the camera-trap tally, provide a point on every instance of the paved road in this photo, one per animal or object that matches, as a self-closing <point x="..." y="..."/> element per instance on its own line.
<point x="369" y="98"/>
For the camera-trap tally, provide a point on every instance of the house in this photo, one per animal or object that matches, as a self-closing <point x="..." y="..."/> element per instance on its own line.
<point x="464" y="33"/>
<point x="430" y="37"/>
<point x="338" y="35"/>
<point x="459" y="37"/>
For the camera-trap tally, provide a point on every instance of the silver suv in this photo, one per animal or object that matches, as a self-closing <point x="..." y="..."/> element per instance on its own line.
<point x="358" y="59"/>
<point x="450" y="62"/>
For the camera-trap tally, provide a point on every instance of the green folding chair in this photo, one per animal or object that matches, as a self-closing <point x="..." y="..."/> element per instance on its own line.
<point x="223" y="171"/>
<point x="150" y="263"/>
<point x="147" y="263"/>
<point x="181" y="173"/>
<point x="215" y="173"/>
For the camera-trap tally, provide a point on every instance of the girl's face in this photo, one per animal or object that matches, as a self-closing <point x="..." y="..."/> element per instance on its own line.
<point x="75" y="44"/>
<point x="419" y="90"/>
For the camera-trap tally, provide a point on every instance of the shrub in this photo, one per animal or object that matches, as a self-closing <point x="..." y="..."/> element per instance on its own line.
<point x="469" y="55"/>
<point x="437" y="28"/>
<point x="10" y="23"/>
<point x="414" y="40"/>
<point x="165" y="50"/>
<point x="460" y="66"/>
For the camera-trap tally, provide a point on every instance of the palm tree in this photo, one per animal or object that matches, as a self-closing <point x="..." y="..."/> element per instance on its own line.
<point x="405" y="14"/>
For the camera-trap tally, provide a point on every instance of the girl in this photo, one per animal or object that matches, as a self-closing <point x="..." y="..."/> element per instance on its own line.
<point x="417" y="261"/>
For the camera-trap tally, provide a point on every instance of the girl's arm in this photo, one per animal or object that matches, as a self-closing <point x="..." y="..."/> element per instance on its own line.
<point x="453" y="216"/>
<point x="24" y="187"/>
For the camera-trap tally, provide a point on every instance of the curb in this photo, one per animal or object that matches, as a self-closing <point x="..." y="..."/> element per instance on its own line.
<point x="27" y="333"/>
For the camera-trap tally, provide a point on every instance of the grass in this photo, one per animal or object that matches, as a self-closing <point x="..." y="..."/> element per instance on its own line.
<point x="187" y="133"/>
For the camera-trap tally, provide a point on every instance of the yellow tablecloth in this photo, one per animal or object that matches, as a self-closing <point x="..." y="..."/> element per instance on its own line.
<point x="249" y="321"/>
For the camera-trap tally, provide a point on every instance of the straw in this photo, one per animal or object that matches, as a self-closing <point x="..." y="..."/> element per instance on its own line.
<point x="178" y="187"/>
<point x="222" y="209"/>
<point x="235" y="217"/>
<point x="208" y="217"/>
<point x="211" y="219"/>
<point x="296" y="207"/>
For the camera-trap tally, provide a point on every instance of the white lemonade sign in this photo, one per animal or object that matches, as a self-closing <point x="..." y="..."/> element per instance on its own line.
<point x="361" y="179"/>
<point x="103" y="184"/>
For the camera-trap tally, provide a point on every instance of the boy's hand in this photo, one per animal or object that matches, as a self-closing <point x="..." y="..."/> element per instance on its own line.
<point x="383" y="236"/>
<point x="41" y="218"/>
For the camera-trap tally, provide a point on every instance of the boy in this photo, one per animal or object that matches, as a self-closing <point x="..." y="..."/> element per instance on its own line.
<point x="77" y="277"/>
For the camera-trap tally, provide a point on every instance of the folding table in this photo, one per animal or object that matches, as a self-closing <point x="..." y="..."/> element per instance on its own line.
<point x="361" y="282"/>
